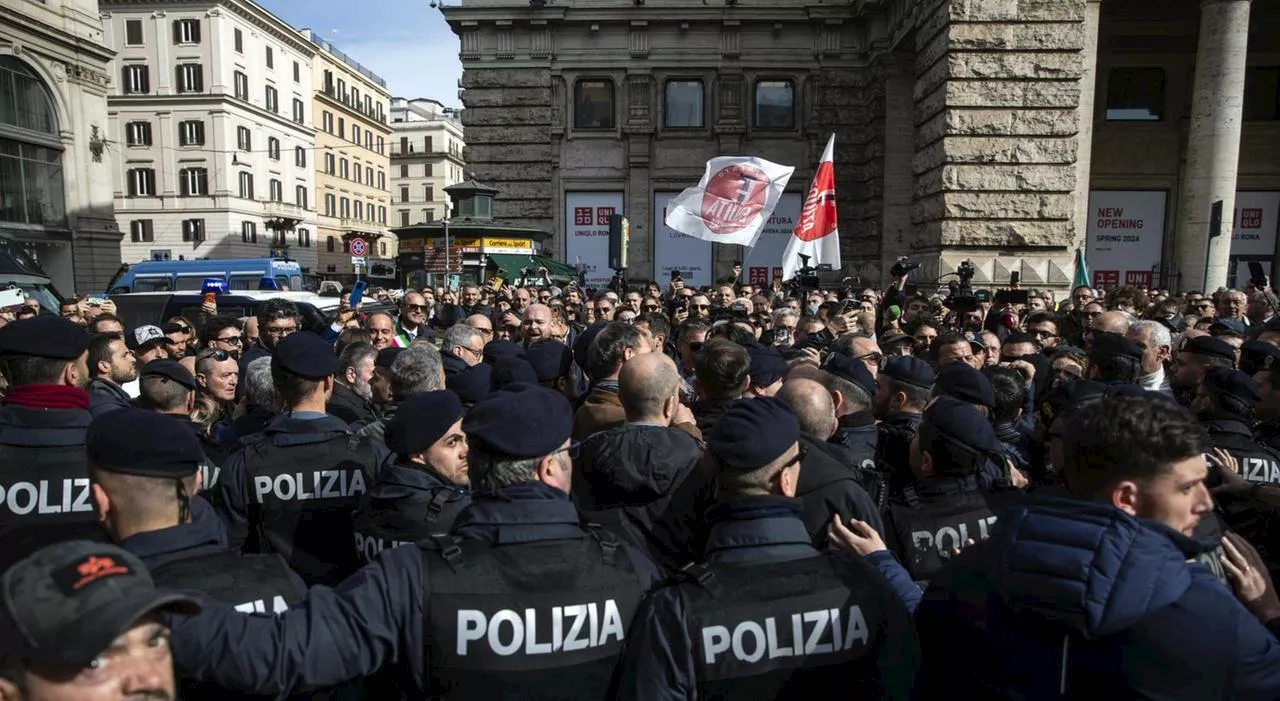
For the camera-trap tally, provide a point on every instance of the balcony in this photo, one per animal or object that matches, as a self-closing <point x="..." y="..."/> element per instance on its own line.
<point x="360" y="226"/>
<point x="282" y="216"/>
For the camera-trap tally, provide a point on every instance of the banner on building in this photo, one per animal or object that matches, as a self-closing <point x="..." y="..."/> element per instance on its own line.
<point x="1125" y="236"/>
<point x="586" y="223"/>
<point x="673" y="250"/>
<point x="1253" y="234"/>
<point x="732" y="202"/>
<point x="764" y="261"/>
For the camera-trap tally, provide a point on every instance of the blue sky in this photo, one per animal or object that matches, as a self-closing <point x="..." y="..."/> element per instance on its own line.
<point x="406" y="42"/>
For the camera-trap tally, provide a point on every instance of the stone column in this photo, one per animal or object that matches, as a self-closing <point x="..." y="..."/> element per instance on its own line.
<point x="1213" y="145"/>
<point x="998" y="97"/>
<point x="899" y="148"/>
<point x="1084" y="135"/>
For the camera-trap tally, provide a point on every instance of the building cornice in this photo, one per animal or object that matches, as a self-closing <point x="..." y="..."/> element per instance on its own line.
<point x="212" y="101"/>
<point x="73" y="46"/>
<point x="248" y="11"/>
<point x="626" y="14"/>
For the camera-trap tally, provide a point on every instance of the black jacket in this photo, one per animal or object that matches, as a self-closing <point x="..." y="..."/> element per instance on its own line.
<point x="375" y="618"/>
<point x="893" y="449"/>
<point x="632" y="479"/>
<point x="106" y="396"/>
<point x="828" y="486"/>
<point x="349" y="406"/>
<point x="708" y="411"/>
<point x="661" y="664"/>
<point x="400" y="503"/>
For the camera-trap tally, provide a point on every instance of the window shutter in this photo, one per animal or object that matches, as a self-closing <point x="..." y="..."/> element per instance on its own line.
<point x="177" y="31"/>
<point x="195" y="31"/>
<point x="199" y="86"/>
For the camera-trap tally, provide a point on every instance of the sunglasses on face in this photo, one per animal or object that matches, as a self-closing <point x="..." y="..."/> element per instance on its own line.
<point x="416" y="307"/>
<point x="651" y="308"/>
<point x="699" y="306"/>
<point x="233" y="340"/>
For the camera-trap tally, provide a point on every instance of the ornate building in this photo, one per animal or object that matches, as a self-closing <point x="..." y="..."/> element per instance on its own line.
<point x="213" y="132"/>
<point x="55" y="165"/>
<point x="965" y="129"/>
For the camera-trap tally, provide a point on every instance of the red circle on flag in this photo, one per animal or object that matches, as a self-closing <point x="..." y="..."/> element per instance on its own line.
<point x="734" y="196"/>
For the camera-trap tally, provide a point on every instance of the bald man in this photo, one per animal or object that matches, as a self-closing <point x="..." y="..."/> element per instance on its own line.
<point x="640" y="480"/>
<point x="481" y="323"/>
<point x="1111" y="322"/>
<point x="828" y="486"/>
<point x="536" y="325"/>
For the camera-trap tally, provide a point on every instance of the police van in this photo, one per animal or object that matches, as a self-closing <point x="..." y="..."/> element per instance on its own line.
<point x="139" y="308"/>
<point x="184" y="275"/>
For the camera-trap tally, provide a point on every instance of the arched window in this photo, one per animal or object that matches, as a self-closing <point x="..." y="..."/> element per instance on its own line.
<point x="31" y="189"/>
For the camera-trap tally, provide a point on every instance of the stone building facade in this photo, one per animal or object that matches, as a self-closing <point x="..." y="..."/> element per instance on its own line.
<point x="212" y="122"/>
<point x="351" y="107"/>
<point x="55" y="169"/>
<point x="965" y="129"/>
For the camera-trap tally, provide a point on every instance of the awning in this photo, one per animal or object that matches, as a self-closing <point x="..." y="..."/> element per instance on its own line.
<point x="510" y="264"/>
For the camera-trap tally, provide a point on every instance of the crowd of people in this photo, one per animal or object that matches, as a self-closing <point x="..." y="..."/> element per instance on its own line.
<point x="652" y="492"/>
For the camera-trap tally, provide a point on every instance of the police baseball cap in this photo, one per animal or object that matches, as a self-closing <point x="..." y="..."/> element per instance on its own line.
<point x="63" y="605"/>
<point x="44" y="336"/>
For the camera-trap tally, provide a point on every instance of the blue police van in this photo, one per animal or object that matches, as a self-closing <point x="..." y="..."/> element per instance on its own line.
<point x="189" y="275"/>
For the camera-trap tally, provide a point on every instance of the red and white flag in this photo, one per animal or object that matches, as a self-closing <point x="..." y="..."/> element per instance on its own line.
<point x="816" y="234"/>
<point x="732" y="202"/>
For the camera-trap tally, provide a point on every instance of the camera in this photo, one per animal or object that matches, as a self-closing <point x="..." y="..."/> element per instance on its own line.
<point x="903" y="267"/>
<point x="961" y="299"/>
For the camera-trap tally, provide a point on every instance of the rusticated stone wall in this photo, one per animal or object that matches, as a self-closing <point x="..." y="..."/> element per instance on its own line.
<point x="998" y="97"/>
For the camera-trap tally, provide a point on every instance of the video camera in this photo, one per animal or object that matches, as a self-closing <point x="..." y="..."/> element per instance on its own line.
<point x="961" y="298"/>
<point x="903" y="267"/>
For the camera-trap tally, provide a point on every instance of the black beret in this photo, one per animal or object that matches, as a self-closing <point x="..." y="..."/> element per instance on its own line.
<point x="753" y="433"/>
<point x="472" y="384"/>
<point x="44" y="336"/>
<point x="851" y="370"/>
<point x="143" y="336"/>
<point x="1234" y="326"/>
<point x="498" y="348"/>
<point x="1210" y="346"/>
<point x="959" y="423"/>
<point x="172" y="369"/>
<point x="909" y="369"/>
<point x="551" y="360"/>
<point x="893" y="339"/>
<point x="960" y="380"/>
<point x="1115" y="345"/>
<point x="511" y="370"/>
<point x="767" y="365"/>
<point x="306" y="355"/>
<point x="1259" y="355"/>
<point x="386" y="357"/>
<point x="1222" y="380"/>
<point x="583" y="344"/>
<point x="1062" y="398"/>
<point x="1019" y="337"/>
<point x="422" y="419"/>
<point x="143" y="443"/>
<point x="531" y="423"/>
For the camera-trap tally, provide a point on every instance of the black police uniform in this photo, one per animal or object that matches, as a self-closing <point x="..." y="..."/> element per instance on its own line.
<point x="858" y="433"/>
<point x="409" y="503"/>
<point x="893" y="450"/>
<point x="44" y="478"/>
<point x="292" y="489"/>
<point x="766" y="616"/>
<point x="933" y="516"/>
<point x="521" y="602"/>
<point x="827" y="486"/>
<point x="1258" y="463"/>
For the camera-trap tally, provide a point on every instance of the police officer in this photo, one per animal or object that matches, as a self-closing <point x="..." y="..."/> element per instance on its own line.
<point x="901" y="394"/>
<point x="521" y="602"/>
<point x="292" y="488"/>
<point x="83" y="620"/>
<point x="1266" y="372"/>
<point x="1224" y="403"/>
<point x="422" y="492"/>
<point x="853" y="388"/>
<point x="168" y="388"/>
<point x="765" y="615"/>
<point x="43" y="476"/>
<point x="944" y="507"/>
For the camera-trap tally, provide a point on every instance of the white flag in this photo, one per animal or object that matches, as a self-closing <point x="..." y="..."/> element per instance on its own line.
<point x="732" y="202"/>
<point x="816" y="234"/>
